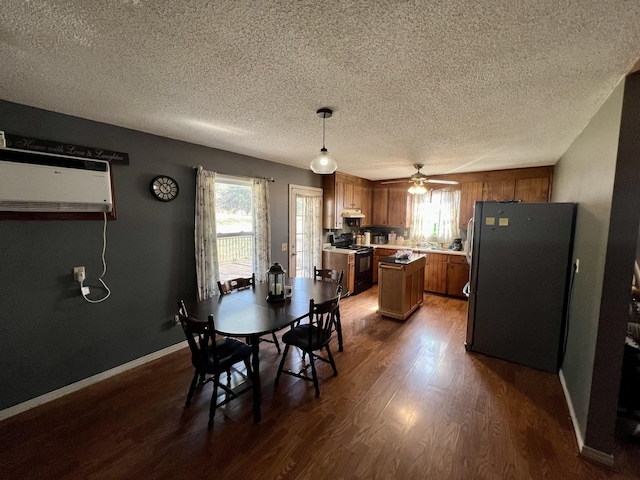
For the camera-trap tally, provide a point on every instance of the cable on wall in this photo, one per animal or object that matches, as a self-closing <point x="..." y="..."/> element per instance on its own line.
<point x="104" y="269"/>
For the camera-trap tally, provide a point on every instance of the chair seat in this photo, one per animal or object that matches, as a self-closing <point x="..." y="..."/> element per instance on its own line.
<point x="230" y="352"/>
<point x="299" y="337"/>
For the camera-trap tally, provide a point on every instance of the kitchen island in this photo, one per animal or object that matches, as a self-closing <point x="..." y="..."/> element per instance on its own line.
<point x="400" y="285"/>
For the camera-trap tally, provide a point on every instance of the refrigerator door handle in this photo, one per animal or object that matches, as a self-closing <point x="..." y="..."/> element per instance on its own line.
<point x="469" y="240"/>
<point x="465" y="289"/>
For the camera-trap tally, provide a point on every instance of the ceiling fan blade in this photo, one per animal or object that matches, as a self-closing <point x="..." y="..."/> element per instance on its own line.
<point x="443" y="182"/>
<point x="386" y="182"/>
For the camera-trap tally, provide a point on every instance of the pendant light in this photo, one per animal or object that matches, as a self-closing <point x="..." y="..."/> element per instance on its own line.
<point x="323" y="163"/>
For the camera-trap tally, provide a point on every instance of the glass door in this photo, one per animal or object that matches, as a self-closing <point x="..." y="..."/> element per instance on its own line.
<point x="305" y="230"/>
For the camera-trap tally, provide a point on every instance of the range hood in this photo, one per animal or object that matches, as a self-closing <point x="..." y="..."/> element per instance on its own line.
<point x="352" y="213"/>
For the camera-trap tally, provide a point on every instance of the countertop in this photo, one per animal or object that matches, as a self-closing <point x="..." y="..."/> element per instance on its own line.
<point x="401" y="261"/>
<point x="398" y="247"/>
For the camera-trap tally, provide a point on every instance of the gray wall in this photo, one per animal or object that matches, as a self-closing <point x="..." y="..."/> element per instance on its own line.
<point x="600" y="172"/>
<point x="50" y="336"/>
<point x="585" y="175"/>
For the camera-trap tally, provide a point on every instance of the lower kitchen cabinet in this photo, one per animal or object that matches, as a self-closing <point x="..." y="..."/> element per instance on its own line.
<point x="457" y="275"/>
<point x="344" y="262"/>
<point x="446" y="274"/>
<point x="435" y="273"/>
<point x="379" y="253"/>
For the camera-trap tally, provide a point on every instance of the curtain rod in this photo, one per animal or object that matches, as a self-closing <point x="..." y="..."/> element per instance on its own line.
<point x="270" y="179"/>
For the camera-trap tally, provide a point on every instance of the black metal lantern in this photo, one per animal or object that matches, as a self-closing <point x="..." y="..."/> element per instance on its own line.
<point x="275" y="281"/>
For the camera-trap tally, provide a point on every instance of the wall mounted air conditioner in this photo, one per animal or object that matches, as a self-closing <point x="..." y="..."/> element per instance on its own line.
<point x="39" y="182"/>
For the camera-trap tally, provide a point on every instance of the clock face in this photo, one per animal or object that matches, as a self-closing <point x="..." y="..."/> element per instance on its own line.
<point x="164" y="188"/>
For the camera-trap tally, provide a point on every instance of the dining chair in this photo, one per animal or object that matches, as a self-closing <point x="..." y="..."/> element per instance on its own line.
<point x="312" y="337"/>
<point x="240" y="284"/>
<point x="334" y="276"/>
<point x="211" y="356"/>
<point x="328" y="275"/>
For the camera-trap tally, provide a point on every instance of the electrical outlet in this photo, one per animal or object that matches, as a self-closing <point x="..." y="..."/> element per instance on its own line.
<point x="284" y="247"/>
<point x="79" y="274"/>
<point x="577" y="265"/>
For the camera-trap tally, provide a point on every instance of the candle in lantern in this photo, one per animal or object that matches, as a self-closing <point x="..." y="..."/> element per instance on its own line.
<point x="278" y="288"/>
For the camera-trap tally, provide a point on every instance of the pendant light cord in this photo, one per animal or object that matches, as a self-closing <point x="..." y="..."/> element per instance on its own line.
<point x="324" y="117"/>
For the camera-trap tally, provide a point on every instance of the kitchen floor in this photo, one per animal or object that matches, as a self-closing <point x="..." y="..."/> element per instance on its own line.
<point x="408" y="402"/>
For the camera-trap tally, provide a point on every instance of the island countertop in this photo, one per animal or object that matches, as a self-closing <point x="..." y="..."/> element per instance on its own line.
<point x="402" y="261"/>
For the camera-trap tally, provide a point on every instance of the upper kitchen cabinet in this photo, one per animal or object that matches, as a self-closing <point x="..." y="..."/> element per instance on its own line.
<point x="342" y="191"/>
<point x="399" y="208"/>
<point x="391" y="207"/>
<point x="533" y="190"/>
<point x="520" y="185"/>
<point x="499" y="190"/>
<point x="380" y="206"/>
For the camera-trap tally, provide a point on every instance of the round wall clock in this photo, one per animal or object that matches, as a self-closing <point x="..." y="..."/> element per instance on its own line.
<point x="164" y="188"/>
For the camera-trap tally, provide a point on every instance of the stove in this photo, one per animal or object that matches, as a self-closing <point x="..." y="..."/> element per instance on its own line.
<point x="363" y="261"/>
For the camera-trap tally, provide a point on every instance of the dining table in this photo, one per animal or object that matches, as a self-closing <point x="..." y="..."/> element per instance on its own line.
<point x="247" y="313"/>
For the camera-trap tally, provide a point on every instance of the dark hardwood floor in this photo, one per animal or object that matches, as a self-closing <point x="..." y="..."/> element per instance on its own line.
<point x="408" y="403"/>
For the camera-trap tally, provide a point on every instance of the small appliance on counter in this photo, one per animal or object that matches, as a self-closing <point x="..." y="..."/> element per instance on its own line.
<point x="457" y="244"/>
<point x="379" y="239"/>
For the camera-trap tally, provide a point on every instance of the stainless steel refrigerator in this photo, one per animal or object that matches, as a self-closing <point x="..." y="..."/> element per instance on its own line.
<point x="521" y="266"/>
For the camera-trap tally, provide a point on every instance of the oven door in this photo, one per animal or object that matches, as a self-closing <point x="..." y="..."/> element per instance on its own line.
<point x="363" y="271"/>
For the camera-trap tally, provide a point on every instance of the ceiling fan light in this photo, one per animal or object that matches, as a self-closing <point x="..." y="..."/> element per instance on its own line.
<point x="417" y="189"/>
<point x="420" y="190"/>
<point x="323" y="164"/>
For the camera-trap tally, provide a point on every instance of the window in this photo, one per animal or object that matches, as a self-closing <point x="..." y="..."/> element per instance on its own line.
<point x="436" y="216"/>
<point x="235" y="228"/>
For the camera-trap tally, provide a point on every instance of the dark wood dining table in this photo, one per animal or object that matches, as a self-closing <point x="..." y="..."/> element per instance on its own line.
<point x="247" y="313"/>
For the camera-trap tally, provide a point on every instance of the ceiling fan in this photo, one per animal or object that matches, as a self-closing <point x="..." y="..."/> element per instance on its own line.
<point x="419" y="179"/>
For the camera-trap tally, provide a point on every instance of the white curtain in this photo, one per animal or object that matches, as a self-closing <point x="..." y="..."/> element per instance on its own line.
<point x="308" y="254"/>
<point x="421" y="223"/>
<point x="207" y="271"/>
<point x="262" y="223"/>
<point x="437" y="211"/>
<point x="449" y="221"/>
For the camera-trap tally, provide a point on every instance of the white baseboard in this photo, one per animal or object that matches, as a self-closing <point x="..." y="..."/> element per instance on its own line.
<point x="61" y="392"/>
<point x="585" y="451"/>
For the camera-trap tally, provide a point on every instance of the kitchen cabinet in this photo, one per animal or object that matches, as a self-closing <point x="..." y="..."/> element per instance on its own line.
<point x="399" y="208"/>
<point x="533" y="190"/>
<point x="400" y="287"/>
<point x="446" y="274"/>
<point x="380" y="206"/>
<point x="342" y="191"/>
<point x="499" y="190"/>
<point x="341" y="261"/>
<point x="391" y="207"/>
<point x="367" y="199"/>
<point x="435" y="273"/>
<point x="457" y="275"/>
<point x="523" y="185"/>
<point x="379" y="253"/>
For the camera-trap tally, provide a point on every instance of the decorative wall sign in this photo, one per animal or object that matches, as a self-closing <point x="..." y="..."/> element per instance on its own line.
<point x="47" y="146"/>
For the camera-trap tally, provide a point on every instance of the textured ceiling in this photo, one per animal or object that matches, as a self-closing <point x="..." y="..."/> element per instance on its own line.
<point x="457" y="85"/>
